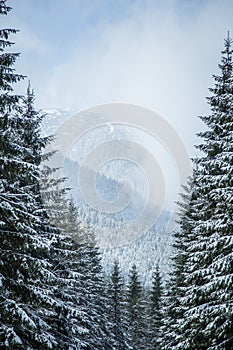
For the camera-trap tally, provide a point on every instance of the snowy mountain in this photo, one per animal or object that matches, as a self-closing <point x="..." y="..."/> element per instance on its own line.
<point x="145" y="251"/>
<point x="53" y="119"/>
<point x="117" y="239"/>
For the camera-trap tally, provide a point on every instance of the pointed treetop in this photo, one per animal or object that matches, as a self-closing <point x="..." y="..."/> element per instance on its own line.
<point x="228" y="39"/>
<point x="29" y="89"/>
<point x="226" y="65"/>
<point x="228" y="42"/>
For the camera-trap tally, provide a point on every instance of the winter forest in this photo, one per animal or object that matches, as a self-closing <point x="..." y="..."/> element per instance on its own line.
<point x="54" y="292"/>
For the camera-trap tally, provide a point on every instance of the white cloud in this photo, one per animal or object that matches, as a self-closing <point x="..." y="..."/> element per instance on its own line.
<point x="161" y="56"/>
<point x="26" y="40"/>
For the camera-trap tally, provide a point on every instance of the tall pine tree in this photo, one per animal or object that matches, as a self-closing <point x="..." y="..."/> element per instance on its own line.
<point x="135" y="311"/>
<point x="81" y="284"/>
<point x="117" y="308"/>
<point x="173" y="308"/>
<point x="155" y="312"/>
<point x="25" y="301"/>
<point x="208" y="267"/>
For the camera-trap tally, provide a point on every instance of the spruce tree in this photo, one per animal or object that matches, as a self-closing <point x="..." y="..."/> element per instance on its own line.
<point x="25" y="301"/>
<point x="173" y="308"/>
<point x="208" y="273"/>
<point x="77" y="266"/>
<point x="211" y="261"/>
<point x="35" y="311"/>
<point x="135" y="311"/>
<point x="117" y="305"/>
<point x="94" y="286"/>
<point x="155" y="312"/>
<point x="71" y="322"/>
<point x="96" y="298"/>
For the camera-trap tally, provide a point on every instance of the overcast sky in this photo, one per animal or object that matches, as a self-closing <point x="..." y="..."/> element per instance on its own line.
<point x="154" y="53"/>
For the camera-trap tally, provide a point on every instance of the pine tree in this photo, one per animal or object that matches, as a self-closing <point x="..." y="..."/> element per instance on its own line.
<point x="155" y="312"/>
<point x="24" y="271"/>
<point x="94" y="285"/>
<point x="172" y="305"/>
<point x="117" y="309"/>
<point x="77" y="288"/>
<point x="71" y="324"/>
<point x="34" y="312"/>
<point x="96" y="298"/>
<point x="208" y="274"/>
<point x="76" y="263"/>
<point x="135" y="311"/>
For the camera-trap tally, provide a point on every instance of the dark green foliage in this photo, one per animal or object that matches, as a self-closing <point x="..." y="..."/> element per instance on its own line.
<point x="135" y="311"/>
<point x="209" y="294"/>
<point x="7" y="60"/>
<point x="202" y="315"/>
<point x="173" y="307"/>
<point x="117" y="309"/>
<point x="81" y="288"/>
<point x="25" y="299"/>
<point x="155" y="311"/>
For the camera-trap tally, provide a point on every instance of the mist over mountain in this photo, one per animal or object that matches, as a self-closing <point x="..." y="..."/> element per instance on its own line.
<point x="118" y="179"/>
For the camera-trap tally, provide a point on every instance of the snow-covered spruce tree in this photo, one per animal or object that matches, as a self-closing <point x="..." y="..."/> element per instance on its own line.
<point x="154" y="313"/>
<point x="117" y="308"/>
<point x="24" y="298"/>
<point x="173" y="308"/>
<point x="135" y="312"/>
<point x="208" y="321"/>
<point x="35" y="313"/>
<point x="94" y="289"/>
<point x="81" y="284"/>
<point x="71" y="325"/>
<point x="68" y="323"/>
